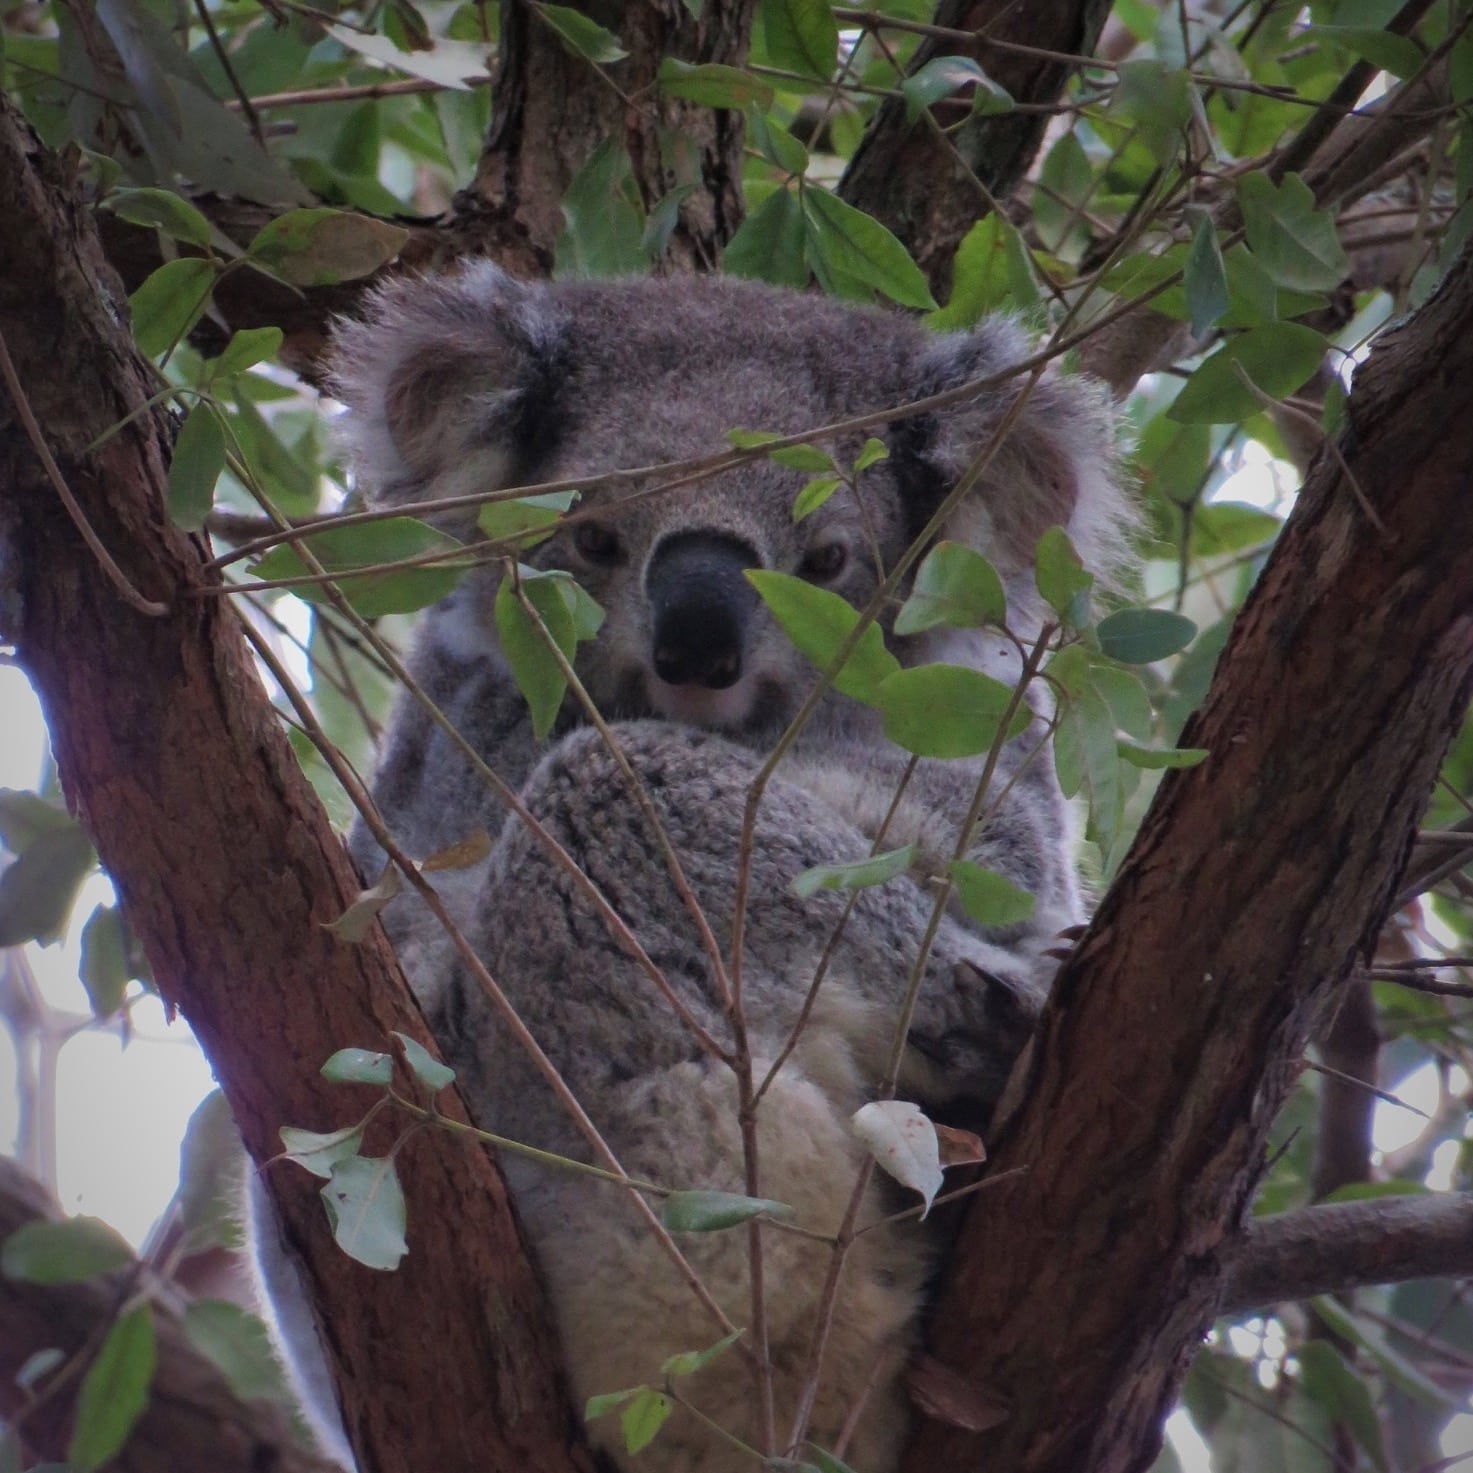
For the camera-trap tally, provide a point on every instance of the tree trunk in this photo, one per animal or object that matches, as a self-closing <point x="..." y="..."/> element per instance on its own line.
<point x="172" y="755"/>
<point x="925" y="189"/>
<point x="547" y="119"/>
<point x="1082" y="1286"/>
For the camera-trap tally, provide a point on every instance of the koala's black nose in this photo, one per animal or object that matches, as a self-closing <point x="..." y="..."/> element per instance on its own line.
<point x="701" y="606"/>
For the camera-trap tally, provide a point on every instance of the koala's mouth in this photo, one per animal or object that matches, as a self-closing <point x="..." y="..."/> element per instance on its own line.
<point x="754" y="704"/>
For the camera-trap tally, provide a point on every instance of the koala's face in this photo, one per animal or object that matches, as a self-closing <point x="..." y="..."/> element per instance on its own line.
<point x="685" y="635"/>
<point x="467" y="384"/>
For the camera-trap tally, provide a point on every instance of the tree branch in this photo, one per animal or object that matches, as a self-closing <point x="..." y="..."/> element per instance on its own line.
<point x="1220" y="945"/>
<point x="1348" y="1245"/>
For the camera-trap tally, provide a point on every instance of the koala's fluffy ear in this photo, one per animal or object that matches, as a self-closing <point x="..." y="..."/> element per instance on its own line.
<point x="448" y="383"/>
<point x="1057" y="466"/>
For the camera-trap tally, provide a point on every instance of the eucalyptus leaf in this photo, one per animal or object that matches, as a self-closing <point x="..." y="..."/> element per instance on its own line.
<point x="819" y="622"/>
<point x="114" y="1392"/>
<point x="1140" y="636"/>
<point x="365" y="1206"/>
<point x="989" y="898"/>
<point x="857" y="875"/>
<point x="948" y="710"/>
<point x="69" y="1251"/>
<point x="199" y="457"/>
<point x="581" y="35"/>
<point x="954" y="586"/>
<point x="714" y="1212"/>
<point x="359" y="1066"/>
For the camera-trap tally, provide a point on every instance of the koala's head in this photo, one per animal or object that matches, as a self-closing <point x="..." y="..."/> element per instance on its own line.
<point x="475" y="382"/>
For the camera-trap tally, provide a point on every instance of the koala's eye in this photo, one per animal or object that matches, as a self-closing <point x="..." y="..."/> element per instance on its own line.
<point x="596" y="543"/>
<point x="826" y="561"/>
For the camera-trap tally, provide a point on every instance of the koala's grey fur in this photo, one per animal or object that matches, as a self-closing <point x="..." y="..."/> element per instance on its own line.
<point x="469" y="383"/>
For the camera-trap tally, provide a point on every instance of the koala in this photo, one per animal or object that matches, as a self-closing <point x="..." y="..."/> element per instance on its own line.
<point x="473" y="382"/>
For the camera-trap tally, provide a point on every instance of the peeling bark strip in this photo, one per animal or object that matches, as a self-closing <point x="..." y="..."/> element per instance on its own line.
<point x="1082" y="1286"/>
<point x="172" y="755"/>
<point x="193" y="1419"/>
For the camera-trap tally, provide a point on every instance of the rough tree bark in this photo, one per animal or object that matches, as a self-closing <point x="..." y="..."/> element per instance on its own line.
<point x="1258" y="880"/>
<point x="547" y="117"/>
<point x="227" y="868"/>
<point x="925" y="189"/>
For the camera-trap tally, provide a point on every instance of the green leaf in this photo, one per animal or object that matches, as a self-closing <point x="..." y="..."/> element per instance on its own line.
<point x="954" y="586"/>
<point x="322" y="247"/>
<point x="713" y="1212"/>
<point x="170" y="302"/>
<point x="664" y="216"/>
<point x="1061" y="578"/>
<point x="65" y="1252"/>
<point x="818" y="622"/>
<point x="713" y="85"/>
<point x="533" y="666"/>
<point x="989" y="898"/>
<point x="164" y="210"/>
<point x="776" y="144"/>
<point x="37" y="890"/>
<point x="114" y="1392"/>
<point x="199" y="457"/>
<point x="1296" y="244"/>
<point x="1086" y="758"/>
<point x="251" y="345"/>
<point x="605" y="226"/>
<point x="642" y="1419"/>
<point x="609" y="1401"/>
<point x="1396" y="1367"/>
<point x="827" y="1462"/>
<point x="943" y="75"/>
<point x="800" y="36"/>
<point x="991" y="271"/>
<point x="525" y="518"/>
<point x="857" y="245"/>
<point x="208" y="1196"/>
<point x="582" y="36"/>
<point x="236" y="1343"/>
<point x="1157" y="99"/>
<point x="359" y="1066"/>
<point x="813" y="495"/>
<point x="106" y="968"/>
<point x="1139" y="636"/>
<point x="365" y="1205"/>
<point x="688" y="1362"/>
<point x="430" y="1072"/>
<point x="769" y="243"/>
<point x="948" y="710"/>
<point x="320" y="1151"/>
<point x="392" y="589"/>
<point x="804" y="458"/>
<point x="1206" y="277"/>
<point x="1154" y="758"/>
<point x="1345" y="1397"/>
<point x="1126" y="697"/>
<point x="1399" y="55"/>
<point x="872" y="452"/>
<point x="24" y="817"/>
<point x="1278" y="359"/>
<point x="856" y="875"/>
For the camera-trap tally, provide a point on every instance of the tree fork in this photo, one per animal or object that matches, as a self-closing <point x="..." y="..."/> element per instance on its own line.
<point x="227" y="868"/>
<point x="1081" y="1286"/>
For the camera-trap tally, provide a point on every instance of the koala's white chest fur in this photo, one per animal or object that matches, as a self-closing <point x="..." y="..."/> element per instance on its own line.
<point x="477" y="382"/>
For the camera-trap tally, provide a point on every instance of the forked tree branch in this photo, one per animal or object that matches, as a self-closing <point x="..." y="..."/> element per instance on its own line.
<point x="1259" y="880"/>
